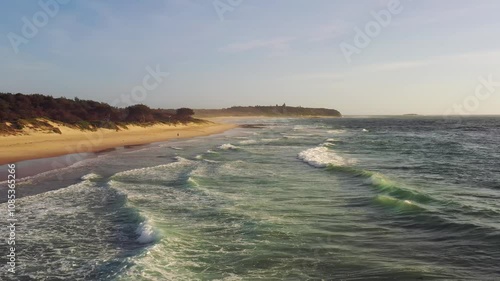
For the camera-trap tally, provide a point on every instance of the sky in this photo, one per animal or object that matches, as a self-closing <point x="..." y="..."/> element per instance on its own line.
<point x="366" y="57"/>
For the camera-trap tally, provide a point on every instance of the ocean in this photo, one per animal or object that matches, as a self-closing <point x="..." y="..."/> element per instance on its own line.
<point x="408" y="198"/>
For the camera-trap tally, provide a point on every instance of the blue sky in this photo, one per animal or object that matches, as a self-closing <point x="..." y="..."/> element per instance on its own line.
<point x="428" y="59"/>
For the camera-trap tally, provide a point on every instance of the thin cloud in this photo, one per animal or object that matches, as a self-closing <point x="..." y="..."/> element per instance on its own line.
<point x="471" y="57"/>
<point x="316" y="76"/>
<point x="447" y="14"/>
<point x="329" y="31"/>
<point x="279" y="44"/>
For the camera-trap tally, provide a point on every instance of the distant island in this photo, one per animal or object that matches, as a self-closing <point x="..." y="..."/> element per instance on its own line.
<point x="271" y="111"/>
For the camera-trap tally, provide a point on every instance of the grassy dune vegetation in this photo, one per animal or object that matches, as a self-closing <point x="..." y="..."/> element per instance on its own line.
<point x="40" y="112"/>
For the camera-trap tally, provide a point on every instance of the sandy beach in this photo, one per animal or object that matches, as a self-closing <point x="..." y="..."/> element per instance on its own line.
<point x="37" y="145"/>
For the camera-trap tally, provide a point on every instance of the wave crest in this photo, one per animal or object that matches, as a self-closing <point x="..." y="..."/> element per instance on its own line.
<point x="146" y="232"/>
<point x="228" y="146"/>
<point x="322" y="157"/>
<point x="91" y="176"/>
<point x="248" y="142"/>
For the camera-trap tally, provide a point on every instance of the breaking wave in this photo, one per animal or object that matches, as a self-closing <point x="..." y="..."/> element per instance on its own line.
<point x="228" y="146"/>
<point x="321" y="157"/>
<point x="147" y="234"/>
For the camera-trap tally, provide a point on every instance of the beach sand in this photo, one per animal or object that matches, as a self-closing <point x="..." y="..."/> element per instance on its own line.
<point x="37" y="145"/>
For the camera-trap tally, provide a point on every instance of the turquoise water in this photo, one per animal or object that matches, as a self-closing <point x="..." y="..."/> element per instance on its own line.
<point x="293" y="199"/>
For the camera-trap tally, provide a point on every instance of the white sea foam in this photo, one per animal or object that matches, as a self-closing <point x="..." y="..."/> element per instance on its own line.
<point x="328" y="144"/>
<point x="193" y="182"/>
<point x="48" y="217"/>
<point x="365" y="130"/>
<point x="339" y="131"/>
<point x="146" y="233"/>
<point x="248" y="142"/>
<point x="322" y="156"/>
<point x="294" y="136"/>
<point x="228" y="146"/>
<point x="160" y="173"/>
<point x="302" y="127"/>
<point x="270" y="140"/>
<point x="38" y="177"/>
<point x="91" y="176"/>
<point x="181" y="159"/>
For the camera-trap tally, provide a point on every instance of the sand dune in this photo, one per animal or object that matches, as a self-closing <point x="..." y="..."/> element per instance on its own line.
<point x="40" y="145"/>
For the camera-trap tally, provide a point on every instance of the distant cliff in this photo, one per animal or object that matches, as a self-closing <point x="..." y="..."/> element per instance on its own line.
<point x="276" y="111"/>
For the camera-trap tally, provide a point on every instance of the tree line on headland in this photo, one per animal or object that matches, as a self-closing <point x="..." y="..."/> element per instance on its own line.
<point x="85" y="114"/>
<point x="271" y="111"/>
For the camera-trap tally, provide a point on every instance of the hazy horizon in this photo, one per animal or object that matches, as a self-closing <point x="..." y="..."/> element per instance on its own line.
<point x="422" y="57"/>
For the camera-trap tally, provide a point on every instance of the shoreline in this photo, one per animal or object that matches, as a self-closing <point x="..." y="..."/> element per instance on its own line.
<point x="37" y="145"/>
<point x="244" y="117"/>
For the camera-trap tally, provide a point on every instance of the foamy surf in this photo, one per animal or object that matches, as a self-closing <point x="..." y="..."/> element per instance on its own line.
<point x="335" y="132"/>
<point x="321" y="157"/>
<point x="329" y="142"/>
<point x="147" y="234"/>
<point x="244" y="142"/>
<point x="228" y="146"/>
<point x="270" y="140"/>
<point x="193" y="182"/>
<point x="91" y="176"/>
